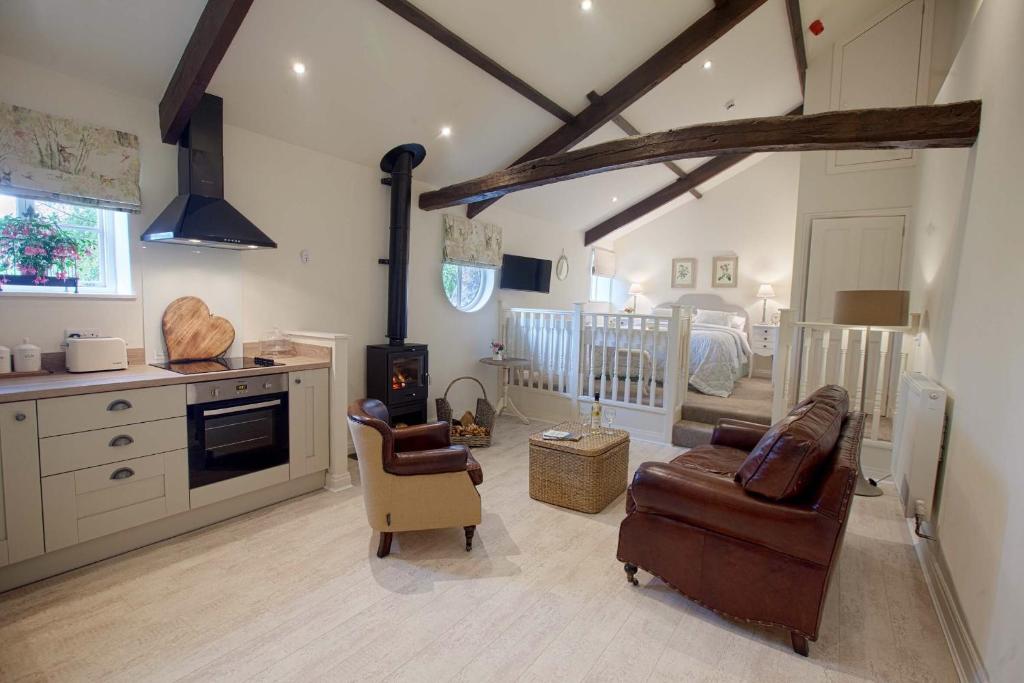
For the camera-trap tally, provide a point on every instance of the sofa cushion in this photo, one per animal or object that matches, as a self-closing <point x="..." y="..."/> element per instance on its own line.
<point x="788" y="460"/>
<point x="832" y="394"/>
<point x="712" y="459"/>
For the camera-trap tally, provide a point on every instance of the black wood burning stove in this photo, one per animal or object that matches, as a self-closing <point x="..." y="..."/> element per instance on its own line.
<point x="397" y="373"/>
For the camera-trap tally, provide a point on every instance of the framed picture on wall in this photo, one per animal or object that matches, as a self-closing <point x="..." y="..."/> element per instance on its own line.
<point x="684" y="272"/>
<point x="725" y="271"/>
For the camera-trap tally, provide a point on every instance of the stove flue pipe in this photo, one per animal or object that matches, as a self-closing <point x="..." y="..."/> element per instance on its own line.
<point x="399" y="163"/>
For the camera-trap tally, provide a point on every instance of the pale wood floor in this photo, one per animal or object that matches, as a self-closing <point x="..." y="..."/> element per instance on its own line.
<point x="295" y="592"/>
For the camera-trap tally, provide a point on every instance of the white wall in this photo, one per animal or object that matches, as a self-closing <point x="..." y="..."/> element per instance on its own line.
<point x="339" y="212"/>
<point x="160" y="273"/>
<point x="753" y="216"/>
<point x="968" y="249"/>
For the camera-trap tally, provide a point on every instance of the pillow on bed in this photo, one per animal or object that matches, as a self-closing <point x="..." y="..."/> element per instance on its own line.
<point x="712" y="318"/>
<point x="738" y="322"/>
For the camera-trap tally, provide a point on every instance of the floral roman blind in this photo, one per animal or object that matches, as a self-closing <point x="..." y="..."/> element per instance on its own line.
<point x="51" y="157"/>
<point x="471" y="243"/>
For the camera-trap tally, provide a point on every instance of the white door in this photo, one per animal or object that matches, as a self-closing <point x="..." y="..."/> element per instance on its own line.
<point x="859" y="252"/>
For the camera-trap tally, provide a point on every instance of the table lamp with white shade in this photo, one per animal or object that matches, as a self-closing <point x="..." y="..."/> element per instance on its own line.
<point x="635" y="290"/>
<point x="765" y="292"/>
<point x="870" y="308"/>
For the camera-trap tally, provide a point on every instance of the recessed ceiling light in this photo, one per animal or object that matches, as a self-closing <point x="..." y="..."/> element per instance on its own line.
<point x="586" y="5"/>
<point x="196" y="241"/>
<point x="446" y="131"/>
<point x="299" y="68"/>
<point x="614" y="199"/>
<point x="707" y="64"/>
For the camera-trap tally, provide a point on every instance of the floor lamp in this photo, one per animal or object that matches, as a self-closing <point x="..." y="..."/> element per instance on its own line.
<point x="870" y="308"/>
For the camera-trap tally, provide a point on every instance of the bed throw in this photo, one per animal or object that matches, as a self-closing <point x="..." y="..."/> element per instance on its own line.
<point x="717" y="357"/>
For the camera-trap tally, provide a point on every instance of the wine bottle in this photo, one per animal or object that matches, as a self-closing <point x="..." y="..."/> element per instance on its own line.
<point x="595" y="414"/>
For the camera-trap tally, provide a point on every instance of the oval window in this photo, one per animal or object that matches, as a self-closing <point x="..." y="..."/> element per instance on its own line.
<point x="468" y="288"/>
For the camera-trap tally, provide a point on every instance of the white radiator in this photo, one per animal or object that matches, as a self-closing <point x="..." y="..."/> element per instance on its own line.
<point x="917" y="442"/>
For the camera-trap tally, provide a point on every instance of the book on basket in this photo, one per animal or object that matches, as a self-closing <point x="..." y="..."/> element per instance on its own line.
<point x="558" y="435"/>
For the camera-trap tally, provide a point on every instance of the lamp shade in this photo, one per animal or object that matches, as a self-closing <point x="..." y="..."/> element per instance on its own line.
<point x="872" y="307"/>
<point x="765" y="291"/>
<point x="635" y="289"/>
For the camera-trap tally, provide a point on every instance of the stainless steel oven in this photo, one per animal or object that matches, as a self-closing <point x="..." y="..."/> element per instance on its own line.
<point x="236" y="427"/>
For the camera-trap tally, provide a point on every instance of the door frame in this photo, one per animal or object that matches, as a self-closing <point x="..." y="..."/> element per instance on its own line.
<point x="802" y="265"/>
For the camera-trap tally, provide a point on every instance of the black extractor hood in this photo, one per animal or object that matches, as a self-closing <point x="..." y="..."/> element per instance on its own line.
<point x="199" y="215"/>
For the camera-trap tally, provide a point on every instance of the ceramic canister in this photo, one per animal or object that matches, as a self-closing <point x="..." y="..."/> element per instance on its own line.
<point x="5" y="360"/>
<point x="27" y="357"/>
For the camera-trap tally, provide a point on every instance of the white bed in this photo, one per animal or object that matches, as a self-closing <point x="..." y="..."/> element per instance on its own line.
<point x="719" y="354"/>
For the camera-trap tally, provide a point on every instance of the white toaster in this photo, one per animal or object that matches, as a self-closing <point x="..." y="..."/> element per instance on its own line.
<point x="92" y="354"/>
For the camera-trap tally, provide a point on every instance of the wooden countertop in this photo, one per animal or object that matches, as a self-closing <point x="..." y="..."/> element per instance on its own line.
<point x="135" y="377"/>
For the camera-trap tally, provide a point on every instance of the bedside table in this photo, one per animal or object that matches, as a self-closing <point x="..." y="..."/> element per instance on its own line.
<point x="763" y="340"/>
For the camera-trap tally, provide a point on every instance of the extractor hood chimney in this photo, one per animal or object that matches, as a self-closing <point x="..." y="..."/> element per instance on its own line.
<point x="199" y="215"/>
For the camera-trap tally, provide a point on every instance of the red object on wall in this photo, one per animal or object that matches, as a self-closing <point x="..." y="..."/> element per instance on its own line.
<point x="816" y="27"/>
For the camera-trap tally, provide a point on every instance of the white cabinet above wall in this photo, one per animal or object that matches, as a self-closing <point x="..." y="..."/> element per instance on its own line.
<point x="883" y="64"/>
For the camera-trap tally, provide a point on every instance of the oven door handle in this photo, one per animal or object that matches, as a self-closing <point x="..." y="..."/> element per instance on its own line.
<point x="241" y="408"/>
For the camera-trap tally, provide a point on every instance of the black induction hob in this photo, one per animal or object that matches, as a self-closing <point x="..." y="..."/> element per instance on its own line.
<point x="195" y="367"/>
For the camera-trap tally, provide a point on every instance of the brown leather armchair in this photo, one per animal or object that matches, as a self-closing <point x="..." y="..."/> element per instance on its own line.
<point x="751" y="525"/>
<point x="412" y="477"/>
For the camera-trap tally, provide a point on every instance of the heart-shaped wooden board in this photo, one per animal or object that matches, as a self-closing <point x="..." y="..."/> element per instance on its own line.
<point x="192" y="333"/>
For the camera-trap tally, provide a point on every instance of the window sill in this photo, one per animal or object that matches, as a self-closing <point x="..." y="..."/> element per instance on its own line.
<point x="67" y="295"/>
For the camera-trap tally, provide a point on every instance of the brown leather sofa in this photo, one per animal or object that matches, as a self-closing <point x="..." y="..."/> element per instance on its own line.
<point x="751" y="525"/>
<point x="413" y="478"/>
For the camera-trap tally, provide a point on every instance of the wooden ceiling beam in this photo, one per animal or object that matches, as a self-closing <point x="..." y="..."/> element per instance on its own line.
<point x="666" y="61"/>
<point x="796" y="32"/>
<point x="917" y="127"/>
<point x="629" y="129"/>
<point x="214" y="32"/>
<point x="453" y="42"/>
<point x="699" y="176"/>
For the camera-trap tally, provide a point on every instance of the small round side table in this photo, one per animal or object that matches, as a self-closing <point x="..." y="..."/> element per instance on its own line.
<point x="505" y="367"/>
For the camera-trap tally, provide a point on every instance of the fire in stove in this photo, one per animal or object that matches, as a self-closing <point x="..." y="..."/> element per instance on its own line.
<point x="399" y="380"/>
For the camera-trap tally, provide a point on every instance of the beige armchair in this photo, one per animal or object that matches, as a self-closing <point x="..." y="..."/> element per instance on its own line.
<point x="413" y="478"/>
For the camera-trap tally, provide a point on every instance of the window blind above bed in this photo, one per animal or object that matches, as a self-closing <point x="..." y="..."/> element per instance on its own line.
<point x="604" y="263"/>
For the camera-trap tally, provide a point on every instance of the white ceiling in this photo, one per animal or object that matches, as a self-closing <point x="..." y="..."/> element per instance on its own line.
<point x="374" y="81"/>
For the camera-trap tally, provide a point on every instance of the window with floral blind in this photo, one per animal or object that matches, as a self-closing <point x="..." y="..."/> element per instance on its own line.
<point x="49" y="247"/>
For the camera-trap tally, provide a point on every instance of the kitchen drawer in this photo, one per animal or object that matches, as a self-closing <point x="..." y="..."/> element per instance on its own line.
<point x="86" y="504"/>
<point x="72" y="414"/>
<point x="88" y="449"/>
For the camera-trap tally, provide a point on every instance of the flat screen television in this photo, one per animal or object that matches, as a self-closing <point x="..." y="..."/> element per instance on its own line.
<point x="526" y="274"/>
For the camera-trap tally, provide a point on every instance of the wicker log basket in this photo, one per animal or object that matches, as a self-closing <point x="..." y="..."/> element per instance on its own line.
<point x="484" y="417"/>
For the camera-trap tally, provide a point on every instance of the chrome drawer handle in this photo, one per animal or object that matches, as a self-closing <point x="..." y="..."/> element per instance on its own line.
<point x="122" y="473"/>
<point x="119" y="404"/>
<point x="122" y="440"/>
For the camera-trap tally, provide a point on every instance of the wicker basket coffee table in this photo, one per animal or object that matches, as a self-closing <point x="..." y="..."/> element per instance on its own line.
<point x="584" y="475"/>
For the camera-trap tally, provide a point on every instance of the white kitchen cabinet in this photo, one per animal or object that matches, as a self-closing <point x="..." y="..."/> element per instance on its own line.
<point x="309" y="439"/>
<point x="21" y="511"/>
<point x="96" y="501"/>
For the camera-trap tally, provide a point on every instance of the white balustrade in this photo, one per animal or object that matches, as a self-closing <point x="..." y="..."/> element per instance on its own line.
<point x="811" y="355"/>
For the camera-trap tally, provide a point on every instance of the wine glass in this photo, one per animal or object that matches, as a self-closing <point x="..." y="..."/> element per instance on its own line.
<point x="608" y="418"/>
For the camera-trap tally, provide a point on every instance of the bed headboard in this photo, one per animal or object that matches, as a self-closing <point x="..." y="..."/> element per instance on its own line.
<point x="710" y="302"/>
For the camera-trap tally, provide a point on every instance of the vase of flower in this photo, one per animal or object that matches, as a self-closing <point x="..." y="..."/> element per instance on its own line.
<point x="36" y="251"/>
<point x="497" y="350"/>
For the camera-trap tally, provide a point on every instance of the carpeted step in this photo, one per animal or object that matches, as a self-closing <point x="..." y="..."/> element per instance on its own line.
<point x="711" y="414"/>
<point x="688" y="434"/>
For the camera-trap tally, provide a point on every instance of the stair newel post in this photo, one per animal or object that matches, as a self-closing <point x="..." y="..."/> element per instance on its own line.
<point x="673" y="373"/>
<point x="784" y="364"/>
<point x="576" y="350"/>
